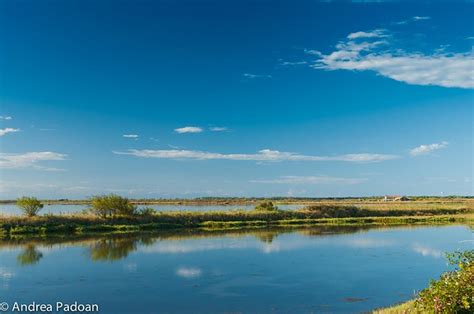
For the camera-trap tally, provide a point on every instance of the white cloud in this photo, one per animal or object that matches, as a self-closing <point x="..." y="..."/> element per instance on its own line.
<point x="262" y="155"/>
<point x="188" y="272"/>
<point x="130" y="136"/>
<point x="5" y="118"/>
<point x="188" y="129"/>
<point x="290" y="63"/>
<point x="15" y="161"/>
<point x="377" y="33"/>
<point x="256" y="76"/>
<point x="8" y="130"/>
<point x="428" y="148"/>
<point x="218" y="129"/>
<point x="421" y="18"/>
<point x="312" y="180"/>
<point x="362" y="53"/>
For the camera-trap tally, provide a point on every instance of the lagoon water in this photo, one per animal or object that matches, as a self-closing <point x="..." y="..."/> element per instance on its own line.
<point x="12" y="209"/>
<point x="311" y="270"/>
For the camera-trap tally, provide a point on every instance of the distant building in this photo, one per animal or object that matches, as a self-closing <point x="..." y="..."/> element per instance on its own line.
<point x="395" y="198"/>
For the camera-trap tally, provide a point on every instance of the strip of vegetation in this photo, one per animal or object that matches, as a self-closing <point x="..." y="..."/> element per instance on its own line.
<point x="452" y="293"/>
<point x="255" y="200"/>
<point x="112" y="213"/>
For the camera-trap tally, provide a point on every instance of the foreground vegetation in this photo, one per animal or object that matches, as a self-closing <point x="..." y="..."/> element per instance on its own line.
<point x="452" y="293"/>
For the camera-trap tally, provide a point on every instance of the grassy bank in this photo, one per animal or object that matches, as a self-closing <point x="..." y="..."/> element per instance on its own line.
<point x="313" y="215"/>
<point x="404" y="308"/>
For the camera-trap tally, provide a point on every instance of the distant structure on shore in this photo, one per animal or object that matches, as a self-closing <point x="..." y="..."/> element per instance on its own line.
<point x="395" y="198"/>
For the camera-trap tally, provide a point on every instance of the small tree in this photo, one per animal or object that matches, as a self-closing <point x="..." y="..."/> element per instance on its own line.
<point x="29" y="205"/>
<point x="111" y="205"/>
<point x="266" y="206"/>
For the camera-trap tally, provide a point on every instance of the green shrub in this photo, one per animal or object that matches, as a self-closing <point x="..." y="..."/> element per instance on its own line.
<point x="454" y="291"/>
<point x="112" y="205"/>
<point x="266" y="206"/>
<point x="29" y="205"/>
<point x="146" y="211"/>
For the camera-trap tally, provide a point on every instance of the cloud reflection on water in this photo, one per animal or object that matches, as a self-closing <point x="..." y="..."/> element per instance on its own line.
<point x="188" y="272"/>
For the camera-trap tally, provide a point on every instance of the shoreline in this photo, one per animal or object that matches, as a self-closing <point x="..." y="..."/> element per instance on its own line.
<point x="228" y="220"/>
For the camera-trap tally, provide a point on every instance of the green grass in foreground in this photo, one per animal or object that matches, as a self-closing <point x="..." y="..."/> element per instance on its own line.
<point x="315" y="215"/>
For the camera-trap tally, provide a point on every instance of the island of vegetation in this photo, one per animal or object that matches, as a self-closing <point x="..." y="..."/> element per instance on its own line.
<point x="114" y="213"/>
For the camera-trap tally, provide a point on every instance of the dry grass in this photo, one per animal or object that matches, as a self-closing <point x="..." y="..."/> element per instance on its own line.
<point x="404" y="308"/>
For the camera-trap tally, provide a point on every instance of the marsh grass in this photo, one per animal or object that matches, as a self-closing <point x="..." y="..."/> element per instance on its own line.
<point x="322" y="214"/>
<point x="403" y="308"/>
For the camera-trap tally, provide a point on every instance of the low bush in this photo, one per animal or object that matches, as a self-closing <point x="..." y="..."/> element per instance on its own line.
<point x="454" y="291"/>
<point x="29" y="205"/>
<point x="112" y="205"/>
<point x="266" y="206"/>
<point x="146" y="211"/>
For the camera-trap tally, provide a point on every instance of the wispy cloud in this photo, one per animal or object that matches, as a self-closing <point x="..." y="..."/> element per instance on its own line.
<point x="427" y="148"/>
<point x="368" y="51"/>
<point x="188" y="129"/>
<point x="421" y="18"/>
<point x="414" y="19"/>
<point x="376" y="33"/>
<point x="291" y="63"/>
<point x="312" y="180"/>
<point x="262" y="155"/>
<point x="8" y="130"/>
<point x="134" y="136"/>
<point x="256" y="76"/>
<point x="218" y="129"/>
<point x="31" y="159"/>
<point x="5" y="118"/>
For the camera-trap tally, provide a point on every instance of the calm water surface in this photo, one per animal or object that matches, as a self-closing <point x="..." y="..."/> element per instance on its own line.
<point x="12" y="209"/>
<point x="319" y="270"/>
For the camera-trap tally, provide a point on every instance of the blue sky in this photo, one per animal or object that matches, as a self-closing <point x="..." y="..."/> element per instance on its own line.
<point x="236" y="98"/>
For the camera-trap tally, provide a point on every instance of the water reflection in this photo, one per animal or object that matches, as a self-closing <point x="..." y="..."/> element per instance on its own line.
<point x="317" y="269"/>
<point x="29" y="256"/>
<point x="112" y="248"/>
